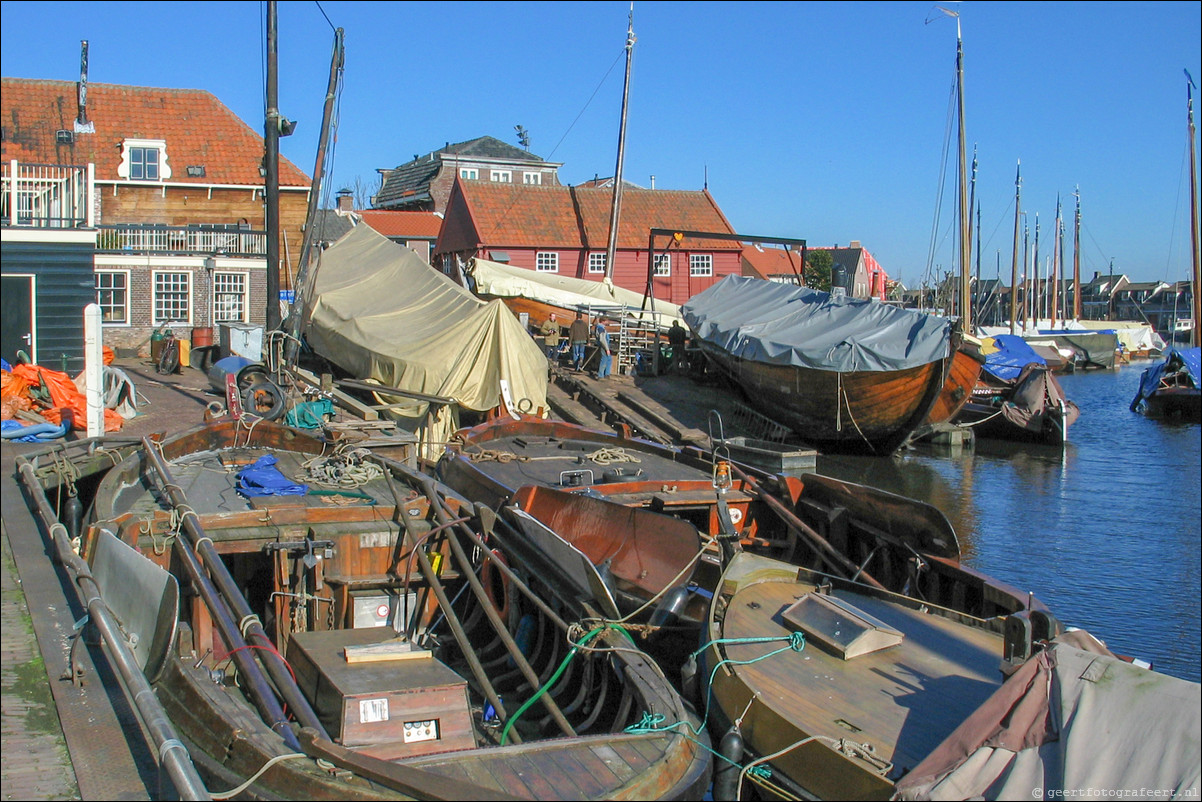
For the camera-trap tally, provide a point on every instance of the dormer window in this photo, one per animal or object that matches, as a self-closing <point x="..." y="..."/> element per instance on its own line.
<point x="144" y="160"/>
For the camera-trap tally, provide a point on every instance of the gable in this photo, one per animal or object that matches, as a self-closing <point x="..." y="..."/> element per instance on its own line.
<point x="198" y="130"/>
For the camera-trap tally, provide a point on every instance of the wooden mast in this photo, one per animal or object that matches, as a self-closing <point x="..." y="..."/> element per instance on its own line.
<point x="1018" y="182"/>
<point x="965" y="211"/>
<point x="616" y="209"/>
<point x="271" y="164"/>
<point x="1057" y="247"/>
<point x="1196" y="336"/>
<point x="1077" y="256"/>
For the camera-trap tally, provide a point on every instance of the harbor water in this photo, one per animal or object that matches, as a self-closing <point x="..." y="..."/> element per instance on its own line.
<point x="1106" y="532"/>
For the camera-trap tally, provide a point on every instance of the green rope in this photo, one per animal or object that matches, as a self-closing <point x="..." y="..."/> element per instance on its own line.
<point x="650" y="723"/>
<point x="547" y="685"/>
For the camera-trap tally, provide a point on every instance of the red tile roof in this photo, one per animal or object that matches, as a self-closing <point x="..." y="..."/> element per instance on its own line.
<point x="517" y="215"/>
<point x="771" y="260"/>
<point x="197" y="127"/>
<point x="403" y="224"/>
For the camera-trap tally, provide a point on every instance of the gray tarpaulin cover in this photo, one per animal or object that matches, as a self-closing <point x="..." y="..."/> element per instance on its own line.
<point x="380" y="312"/>
<point x="1074" y="722"/>
<point x="783" y="324"/>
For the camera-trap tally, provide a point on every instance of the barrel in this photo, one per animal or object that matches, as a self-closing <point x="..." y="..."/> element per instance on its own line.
<point x="202" y="337"/>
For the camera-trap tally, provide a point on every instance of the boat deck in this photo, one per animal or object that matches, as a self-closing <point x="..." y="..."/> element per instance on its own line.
<point x="903" y="701"/>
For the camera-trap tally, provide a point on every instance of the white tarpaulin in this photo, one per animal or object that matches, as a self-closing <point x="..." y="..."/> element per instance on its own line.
<point x="1071" y="723"/>
<point x="506" y="281"/>
<point x="379" y="312"/>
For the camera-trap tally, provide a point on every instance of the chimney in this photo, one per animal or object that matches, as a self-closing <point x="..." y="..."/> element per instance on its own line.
<point x="855" y="243"/>
<point x="346" y="201"/>
<point x="82" y="126"/>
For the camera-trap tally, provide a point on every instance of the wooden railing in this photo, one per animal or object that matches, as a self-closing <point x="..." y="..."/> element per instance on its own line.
<point x="46" y="195"/>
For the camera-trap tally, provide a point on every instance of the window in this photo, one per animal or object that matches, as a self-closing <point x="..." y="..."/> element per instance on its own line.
<point x="172" y="298"/>
<point x="663" y="264"/>
<point x="112" y="296"/>
<point x="144" y="164"/>
<point x="470" y="173"/>
<point x="501" y="176"/>
<point x="532" y="178"/>
<point x="701" y="264"/>
<point x="229" y="298"/>
<point x="546" y="262"/>
<point x="596" y="263"/>
<point x="144" y="160"/>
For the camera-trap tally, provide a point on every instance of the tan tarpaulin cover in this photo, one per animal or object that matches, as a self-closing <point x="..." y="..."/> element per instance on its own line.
<point x="379" y="312"/>
<point x="1069" y="722"/>
<point x="506" y="281"/>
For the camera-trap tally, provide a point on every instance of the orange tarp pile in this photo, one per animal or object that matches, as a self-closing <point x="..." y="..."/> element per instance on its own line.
<point x="22" y="388"/>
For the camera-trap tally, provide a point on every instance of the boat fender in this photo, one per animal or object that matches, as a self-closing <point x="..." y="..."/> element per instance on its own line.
<point x="670" y="607"/>
<point x="524" y="637"/>
<point x="73" y="516"/>
<point x="688" y="677"/>
<point x="727" y="770"/>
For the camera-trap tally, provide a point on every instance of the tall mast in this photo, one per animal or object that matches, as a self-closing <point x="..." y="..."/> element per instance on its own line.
<point x="1037" y="295"/>
<point x="1057" y="247"/>
<point x="611" y="250"/>
<point x="965" y="210"/>
<point x="271" y="160"/>
<point x="1018" y="183"/>
<point x="1077" y="256"/>
<point x="1196" y="339"/>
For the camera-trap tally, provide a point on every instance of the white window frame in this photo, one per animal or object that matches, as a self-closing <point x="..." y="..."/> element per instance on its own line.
<point x="663" y="265"/>
<point x="532" y="179"/>
<point x="501" y="176"/>
<point x="126" y="168"/>
<point x="243" y="295"/>
<point x="469" y="173"/>
<point x="700" y="265"/>
<point x="105" y="307"/>
<point x="155" y="318"/>
<point x="546" y="262"/>
<point x="596" y="262"/>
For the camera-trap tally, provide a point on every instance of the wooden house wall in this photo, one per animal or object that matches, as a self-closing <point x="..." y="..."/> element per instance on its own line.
<point x="64" y="286"/>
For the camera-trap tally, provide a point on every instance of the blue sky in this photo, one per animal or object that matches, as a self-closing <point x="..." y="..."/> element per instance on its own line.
<point x="822" y="121"/>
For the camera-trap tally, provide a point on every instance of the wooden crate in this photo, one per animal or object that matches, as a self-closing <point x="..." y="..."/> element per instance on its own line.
<point x="391" y="709"/>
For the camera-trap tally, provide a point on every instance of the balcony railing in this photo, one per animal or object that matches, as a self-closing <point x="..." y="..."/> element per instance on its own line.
<point x="46" y="195"/>
<point x="182" y="240"/>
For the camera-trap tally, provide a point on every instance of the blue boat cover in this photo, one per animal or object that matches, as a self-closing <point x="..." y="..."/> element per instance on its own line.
<point x="1188" y="361"/>
<point x="1012" y="356"/>
<point x="783" y="324"/>
<point x="262" y="478"/>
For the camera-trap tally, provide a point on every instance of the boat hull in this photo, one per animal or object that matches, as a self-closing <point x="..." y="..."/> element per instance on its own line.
<point x="866" y="412"/>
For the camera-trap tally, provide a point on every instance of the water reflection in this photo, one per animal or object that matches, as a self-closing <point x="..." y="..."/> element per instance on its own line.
<point x="1105" y="531"/>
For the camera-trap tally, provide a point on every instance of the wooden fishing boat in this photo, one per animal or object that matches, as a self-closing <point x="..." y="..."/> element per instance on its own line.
<point x="1018" y="397"/>
<point x="850" y="530"/>
<point x="829" y="689"/>
<point x="962" y="378"/>
<point x="1172" y="388"/>
<point x="366" y="639"/>
<point x="847" y="375"/>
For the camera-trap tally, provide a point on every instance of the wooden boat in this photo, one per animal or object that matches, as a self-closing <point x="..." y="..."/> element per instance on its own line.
<point x="829" y="689"/>
<point x="885" y="540"/>
<point x="419" y="664"/>
<point x="1172" y="388"/>
<point x="847" y="375"/>
<point x="1018" y="397"/>
<point x="962" y="378"/>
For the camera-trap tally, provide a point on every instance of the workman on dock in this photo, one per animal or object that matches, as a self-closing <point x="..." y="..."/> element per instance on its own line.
<point x="676" y="338"/>
<point x="578" y="337"/>
<point x="603" y="350"/>
<point x="550" y="332"/>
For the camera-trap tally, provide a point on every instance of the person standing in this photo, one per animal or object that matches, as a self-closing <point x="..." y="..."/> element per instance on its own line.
<point x="550" y="332"/>
<point x="603" y="349"/>
<point x="676" y="338"/>
<point x="578" y="338"/>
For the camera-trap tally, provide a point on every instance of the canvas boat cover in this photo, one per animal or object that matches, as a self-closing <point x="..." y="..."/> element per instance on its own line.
<point x="1072" y="720"/>
<point x="783" y="324"/>
<point x="379" y="312"/>
<point x="1008" y="354"/>
<point x="1133" y="336"/>
<point x="568" y="292"/>
<point x="1187" y="361"/>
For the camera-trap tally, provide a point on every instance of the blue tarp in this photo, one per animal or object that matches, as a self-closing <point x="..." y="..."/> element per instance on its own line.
<point x="35" y="433"/>
<point x="1188" y="361"/>
<point x="1012" y="356"/>
<point x="262" y="478"/>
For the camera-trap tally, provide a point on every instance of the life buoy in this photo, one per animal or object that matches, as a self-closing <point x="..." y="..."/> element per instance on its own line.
<point x="496" y="583"/>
